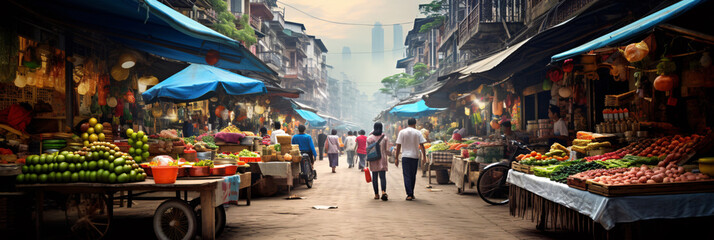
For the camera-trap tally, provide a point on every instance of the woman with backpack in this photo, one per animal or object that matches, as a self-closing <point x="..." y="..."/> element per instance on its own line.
<point x="378" y="166"/>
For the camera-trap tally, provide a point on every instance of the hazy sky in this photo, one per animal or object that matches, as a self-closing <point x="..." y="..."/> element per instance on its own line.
<point x="366" y="73"/>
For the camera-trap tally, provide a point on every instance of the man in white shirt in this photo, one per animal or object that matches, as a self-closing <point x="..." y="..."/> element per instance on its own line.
<point x="409" y="142"/>
<point x="276" y="132"/>
<point x="560" y="128"/>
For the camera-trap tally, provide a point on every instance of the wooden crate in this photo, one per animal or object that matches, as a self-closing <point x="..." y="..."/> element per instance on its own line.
<point x="577" y="183"/>
<point x="650" y="189"/>
<point x="521" y="168"/>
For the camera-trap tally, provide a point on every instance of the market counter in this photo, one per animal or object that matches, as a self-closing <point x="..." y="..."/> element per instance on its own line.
<point x="608" y="211"/>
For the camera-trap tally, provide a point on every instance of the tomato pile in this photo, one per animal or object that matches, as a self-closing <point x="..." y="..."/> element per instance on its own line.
<point x="671" y="148"/>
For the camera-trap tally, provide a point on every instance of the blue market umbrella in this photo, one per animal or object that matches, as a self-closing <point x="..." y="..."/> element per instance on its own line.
<point x="200" y="82"/>
<point x="416" y="110"/>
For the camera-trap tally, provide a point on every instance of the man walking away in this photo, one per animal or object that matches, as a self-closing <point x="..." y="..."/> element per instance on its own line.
<point x="332" y="144"/>
<point x="350" y="148"/>
<point x="321" y="138"/>
<point x="409" y="142"/>
<point x="361" y="149"/>
<point x="304" y="141"/>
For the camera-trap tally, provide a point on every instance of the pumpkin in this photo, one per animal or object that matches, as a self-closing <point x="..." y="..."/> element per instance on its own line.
<point x="497" y="107"/>
<point x="636" y="51"/>
<point x="664" y="82"/>
<point x="212" y="57"/>
<point x="288" y="157"/>
<point x="495" y="125"/>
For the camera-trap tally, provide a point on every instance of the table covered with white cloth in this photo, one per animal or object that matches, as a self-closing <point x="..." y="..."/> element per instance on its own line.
<point x="609" y="211"/>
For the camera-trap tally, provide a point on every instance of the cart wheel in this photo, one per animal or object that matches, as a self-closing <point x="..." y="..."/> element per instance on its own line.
<point x="174" y="219"/>
<point x="87" y="215"/>
<point x="220" y="215"/>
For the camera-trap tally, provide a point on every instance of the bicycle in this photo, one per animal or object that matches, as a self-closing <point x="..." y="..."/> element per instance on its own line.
<point x="491" y="184"/>
<point x="307" y="173"/>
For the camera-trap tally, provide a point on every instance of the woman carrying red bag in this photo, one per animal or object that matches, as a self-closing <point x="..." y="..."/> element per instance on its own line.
<point x="379" y="167"/>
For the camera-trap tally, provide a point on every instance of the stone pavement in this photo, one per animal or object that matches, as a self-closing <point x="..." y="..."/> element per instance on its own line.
<point x="433" y="215"/>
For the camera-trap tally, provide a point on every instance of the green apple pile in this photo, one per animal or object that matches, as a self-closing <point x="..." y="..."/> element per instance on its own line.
<point x="99" y="162"/>
<point x="92" y="131"/>
<point x="139" y="143"/>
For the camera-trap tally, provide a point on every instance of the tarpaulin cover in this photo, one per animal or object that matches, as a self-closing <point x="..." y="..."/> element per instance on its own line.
<point x="200" y="82"/>
<point x="636" y="28"/>
<point x="416" y="110"/>
<point x="150" y="26"/>
<point x="312" y="118"/>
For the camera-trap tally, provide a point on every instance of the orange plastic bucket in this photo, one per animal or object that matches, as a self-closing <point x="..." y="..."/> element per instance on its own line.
<point x="164" y="174"/>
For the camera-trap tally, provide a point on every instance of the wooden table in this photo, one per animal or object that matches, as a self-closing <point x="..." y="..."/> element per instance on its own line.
<point x="464" y="173"/>
<point x="206" y="188"/>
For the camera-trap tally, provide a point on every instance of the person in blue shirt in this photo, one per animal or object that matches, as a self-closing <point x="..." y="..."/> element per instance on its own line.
<point x="305" y="142"/>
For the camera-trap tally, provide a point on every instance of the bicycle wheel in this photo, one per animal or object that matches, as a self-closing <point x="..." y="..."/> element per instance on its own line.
<point x="174" y="219"/>
<point x="492" y="186"/>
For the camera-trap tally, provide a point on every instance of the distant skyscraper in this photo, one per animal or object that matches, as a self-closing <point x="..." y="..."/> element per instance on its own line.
<point x="398" y="40"/>
<point x="378" y="43"/>
<point x="346" y="54"/>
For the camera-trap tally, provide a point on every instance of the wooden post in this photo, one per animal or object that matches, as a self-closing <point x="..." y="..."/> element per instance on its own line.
<point x="39" y="203"/>
<point x="208" y="213"/>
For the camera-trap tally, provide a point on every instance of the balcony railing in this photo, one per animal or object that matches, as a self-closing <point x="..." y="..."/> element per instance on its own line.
<point x="255" y="22"/>
<point x="296" y="72"/>
<point x="272" y="58"/>
<point x="491" y="11"/>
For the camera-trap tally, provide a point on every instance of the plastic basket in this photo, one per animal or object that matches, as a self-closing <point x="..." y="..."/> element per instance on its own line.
<point x="165" y="174"/>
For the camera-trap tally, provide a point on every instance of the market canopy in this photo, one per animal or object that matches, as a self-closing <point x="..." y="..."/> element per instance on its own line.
<point x="312" y="118"/>
<point x="200" y="82"/>
<point x="150" y="26"/>
<point x="636" y="28"/>
<point x="416" y="110"/>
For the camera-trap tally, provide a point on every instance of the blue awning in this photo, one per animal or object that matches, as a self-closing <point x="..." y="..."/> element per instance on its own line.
<point x="200" y="82"/>
<point x="636" y="28"/>
<point x="312" y="118"/>
<point x="149" y="26"/>
<point x="416" y="110"/>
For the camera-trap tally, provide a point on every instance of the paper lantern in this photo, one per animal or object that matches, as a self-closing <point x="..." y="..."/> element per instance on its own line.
<point x="565" y="92"/>
<point x="636" y="51"/>
<point x="212" y="57"/>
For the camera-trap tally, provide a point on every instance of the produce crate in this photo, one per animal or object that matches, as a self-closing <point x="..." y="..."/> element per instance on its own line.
<point x="577" y="183"/>
<point x="443" y="156"/>
<point x="250" y="159"/>
<point x="650" y="189"/>
<point x="521" y="168"/>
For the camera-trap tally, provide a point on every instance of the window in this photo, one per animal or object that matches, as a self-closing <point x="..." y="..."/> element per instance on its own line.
<point x="236" y="6"/>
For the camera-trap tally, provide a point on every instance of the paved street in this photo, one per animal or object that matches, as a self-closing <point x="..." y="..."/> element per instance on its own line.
<point x="434" y="215"/>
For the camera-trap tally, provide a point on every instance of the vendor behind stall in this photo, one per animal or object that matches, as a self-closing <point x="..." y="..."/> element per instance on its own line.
<point x="560" y="128"/>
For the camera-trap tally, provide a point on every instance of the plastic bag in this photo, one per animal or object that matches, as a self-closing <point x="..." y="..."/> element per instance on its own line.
<point x="163" y="160"/>
<point x="367" y="175"/>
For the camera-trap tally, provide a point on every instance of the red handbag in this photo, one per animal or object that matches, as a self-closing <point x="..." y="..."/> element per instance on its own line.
<point x="367" y="175"/>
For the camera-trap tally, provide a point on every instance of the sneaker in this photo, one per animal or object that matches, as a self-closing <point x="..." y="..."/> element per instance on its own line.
<point x="384" y="197"/>
<point x="409" y="198"/>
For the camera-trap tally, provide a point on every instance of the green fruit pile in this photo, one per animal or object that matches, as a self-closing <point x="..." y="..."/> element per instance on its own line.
<point x="100" y="162"/>
<point x="139" y="143"/>
<point x="92" y="131"/>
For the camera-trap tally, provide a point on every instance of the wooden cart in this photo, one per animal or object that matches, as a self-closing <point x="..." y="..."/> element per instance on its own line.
<point x="464" y="173"/>
<point x="93" y="203"/>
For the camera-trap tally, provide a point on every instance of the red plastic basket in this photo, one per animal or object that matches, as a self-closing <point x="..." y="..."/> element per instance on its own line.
<point x="251" y="159"/>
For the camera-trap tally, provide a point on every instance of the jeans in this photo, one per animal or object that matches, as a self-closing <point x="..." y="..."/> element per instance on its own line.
<point x="409" y="169"/>
<point x="322" y="151"/>
<point x="351" y="158"/>
<point x="362" y="159"/>
<point x="375" y="178"/>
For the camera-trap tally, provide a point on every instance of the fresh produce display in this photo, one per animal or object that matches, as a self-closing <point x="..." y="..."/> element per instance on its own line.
<point x="545" y="171"/>
<point x="588" y="145"/>
<point x="591" y="174"/>
<point x="191" y="140"/>
<point x="439" y="147"/>
<point x="54" y="144"/>
<point x="646" y="175"/>
<point x="204" y="163"/>
<point x="92" y="131"/>
<point x="231" y="129"/>
<point x="98" y="162"/>
<point x="554" y="156"/>
<point x="204" y="146"/>
<point x="169" y="133"/>
<point x="561" y="174"/>
<point x="139" y="145"/>
<point x="246" y="153"/>
<point x="639" y="160"/>
<point x="277" y="147"/>
<point x="614" y="163"/>
<point x="619" y="154"/>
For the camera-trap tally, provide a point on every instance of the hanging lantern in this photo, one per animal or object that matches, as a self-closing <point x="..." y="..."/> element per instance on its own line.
<point x="129" y="96"/>
<point x="259" y="109"/>
<point x="20" y="80"/>
<point x="127" y="60"/>
<point x="568" y="65"/>
<point x="636" y="51"/>
<point x="547" y="84"/>
<point x="119" y="73"/>
<point x="565" y="92"/>
<point x="212" y="57"/>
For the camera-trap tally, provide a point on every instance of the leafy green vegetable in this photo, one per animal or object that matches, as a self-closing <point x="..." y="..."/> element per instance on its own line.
<point x="439" y="147"/>
<point x="246" y="153"/>
<point x="204" y="163"/>
<point x="561" y="174"/>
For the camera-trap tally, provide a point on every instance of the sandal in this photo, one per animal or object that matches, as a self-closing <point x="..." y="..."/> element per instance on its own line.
<point x="409" y="198"/>
<point x="384" y="197"/>
<point x="376" y="196"/>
